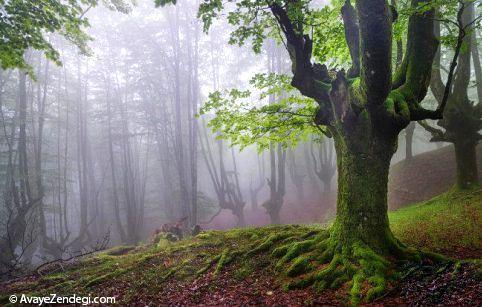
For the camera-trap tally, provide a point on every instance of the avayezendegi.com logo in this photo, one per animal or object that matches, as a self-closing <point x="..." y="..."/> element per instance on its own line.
<point x="55" y="299"/>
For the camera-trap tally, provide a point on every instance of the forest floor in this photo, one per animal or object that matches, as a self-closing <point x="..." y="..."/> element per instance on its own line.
<point x="219" y="267"/>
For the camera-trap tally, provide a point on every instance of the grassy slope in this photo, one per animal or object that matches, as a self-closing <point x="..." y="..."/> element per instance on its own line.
<point x="234" y="266"/>
<point x="450" y="223"/>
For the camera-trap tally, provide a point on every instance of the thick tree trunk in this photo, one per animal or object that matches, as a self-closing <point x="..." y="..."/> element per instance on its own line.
<point x="363" y="167"/>
<point x="466" y="159"/>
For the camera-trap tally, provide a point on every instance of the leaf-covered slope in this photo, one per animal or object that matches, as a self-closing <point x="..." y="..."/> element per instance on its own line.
<point x="424" y="176"/>
<point x="239" y="266"/>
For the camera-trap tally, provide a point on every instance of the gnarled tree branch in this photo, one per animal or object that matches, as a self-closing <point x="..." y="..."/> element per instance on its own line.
<point x="352" y="37"/>
<point x="375" y="24"/>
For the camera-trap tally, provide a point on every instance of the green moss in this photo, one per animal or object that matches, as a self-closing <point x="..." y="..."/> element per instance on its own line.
<point x="355" y="90"/>
<point x="208" y="265"/>
<point x="205" y="235"/>
<point x="223" y="260"/>
<point x="299" y="266"/>
<point x="57" y="277"/>
<point x="355" y="291"/>
<point x="456" y="269"/>
<point x="281" y="250"/>
<point x="268" y="243"/>
<point x="119" y="250"/>
<point x="102" y="278"/>
<point x="390" y="106"/>
<point x="297" y="249"/>
<point x="379" y="286"/>
<point x="244" y="271"/>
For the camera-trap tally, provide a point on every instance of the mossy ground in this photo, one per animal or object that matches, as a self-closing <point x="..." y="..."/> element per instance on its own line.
<point x="260" y="265"/>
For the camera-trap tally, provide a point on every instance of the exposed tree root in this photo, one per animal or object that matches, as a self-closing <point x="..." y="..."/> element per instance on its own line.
<point x="223" y="260"/>
<point x="323" y="262"/>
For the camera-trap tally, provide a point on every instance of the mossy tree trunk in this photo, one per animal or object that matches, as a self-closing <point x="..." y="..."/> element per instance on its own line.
<point x="365" y="109"/>
<point x="363" y="167"/>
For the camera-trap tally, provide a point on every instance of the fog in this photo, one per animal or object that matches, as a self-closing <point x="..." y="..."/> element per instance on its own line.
<point x="110" y="146"/>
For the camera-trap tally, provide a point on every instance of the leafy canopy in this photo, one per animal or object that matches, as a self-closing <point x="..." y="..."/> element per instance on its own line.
<point x="26" y="24"/>
<point x="281" y="116"/>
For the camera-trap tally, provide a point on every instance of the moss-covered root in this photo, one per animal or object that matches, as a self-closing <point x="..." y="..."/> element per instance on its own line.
<point x="327" y="264"/>
<point x="222" y="260"/>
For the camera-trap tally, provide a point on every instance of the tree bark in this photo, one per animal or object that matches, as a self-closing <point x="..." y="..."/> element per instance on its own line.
<point x="363" y="167"/>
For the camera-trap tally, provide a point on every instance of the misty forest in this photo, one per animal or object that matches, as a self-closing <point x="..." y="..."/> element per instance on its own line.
<point x="241" y="152"/>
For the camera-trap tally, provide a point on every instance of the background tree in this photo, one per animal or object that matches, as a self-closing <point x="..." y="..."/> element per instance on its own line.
<point x="462" y="120"/>
<point x="258" y="183"/>
<point x="325" y="169"/>
<point x="225" y="182"/>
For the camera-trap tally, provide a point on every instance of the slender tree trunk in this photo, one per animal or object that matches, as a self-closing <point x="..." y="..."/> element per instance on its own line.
<point x="115" y="194"/>
<point x="193" y="91"/>
<point x="296" y="177"/>
<point x="131" y="201"/>
<point x="310" y="169"/>
<point x="409" y="131"/>
<point x="258" y="183"/>
<point x="25" y="193"/>
<point x="179" y="144"/>
<point x="41" y="101"/>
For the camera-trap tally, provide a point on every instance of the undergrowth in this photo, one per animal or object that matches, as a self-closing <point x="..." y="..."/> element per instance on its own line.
<point x="299" y="256"/>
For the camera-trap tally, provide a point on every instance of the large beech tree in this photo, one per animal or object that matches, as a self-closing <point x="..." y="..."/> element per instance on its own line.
<point x="364" y="109"/>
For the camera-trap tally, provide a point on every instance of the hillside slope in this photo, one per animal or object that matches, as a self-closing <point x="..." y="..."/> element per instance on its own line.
<point x="237" y="267"/>
<point x="424" y="176"/>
